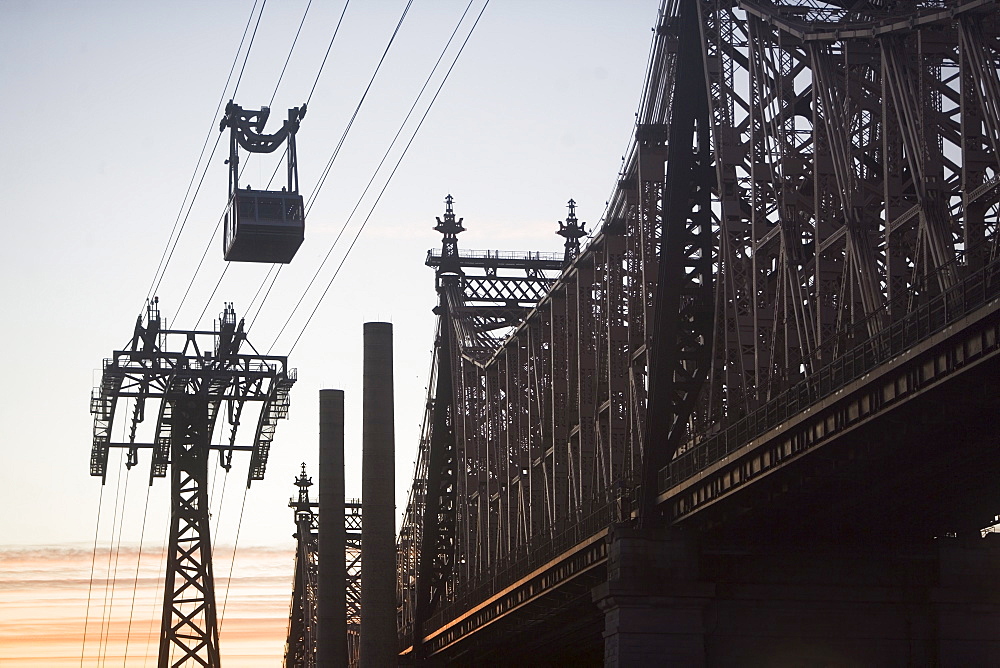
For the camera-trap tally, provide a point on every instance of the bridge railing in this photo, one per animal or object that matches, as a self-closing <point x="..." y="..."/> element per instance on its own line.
<point x="612" y="506"/>
<point x="931" y="317"/>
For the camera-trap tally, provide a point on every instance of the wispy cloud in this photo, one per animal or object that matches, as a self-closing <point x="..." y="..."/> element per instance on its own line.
<point x="44" y="613"/>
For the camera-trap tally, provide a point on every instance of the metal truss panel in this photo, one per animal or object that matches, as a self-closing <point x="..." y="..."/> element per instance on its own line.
<point x="189" y="378"/>
<point x="189" y="633"/>
<point x="808" y="182"/>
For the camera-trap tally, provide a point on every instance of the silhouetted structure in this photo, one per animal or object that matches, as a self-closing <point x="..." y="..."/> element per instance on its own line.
<point x="189" y="378"/>
<point x="301" y="647"/>
<point x="262" y="225"/>
<point x="332" y="622"/>
<point x="378" y="489"/>
<point x="572" y="231"/>
<point x="746" y="424"/>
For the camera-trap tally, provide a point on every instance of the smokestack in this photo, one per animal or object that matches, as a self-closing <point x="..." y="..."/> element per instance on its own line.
<point x="379" y="645"/>
<point x="331" y="634"/>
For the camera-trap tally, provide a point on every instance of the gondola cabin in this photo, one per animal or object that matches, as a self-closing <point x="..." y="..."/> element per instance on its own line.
<point x="264" y="226"/>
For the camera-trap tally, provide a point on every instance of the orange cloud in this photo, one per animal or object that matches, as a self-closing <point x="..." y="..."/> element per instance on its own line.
<point x="44" y="615"/>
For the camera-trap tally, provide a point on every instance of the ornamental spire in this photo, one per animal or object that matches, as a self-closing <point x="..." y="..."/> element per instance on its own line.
<point x="572" y="231"/>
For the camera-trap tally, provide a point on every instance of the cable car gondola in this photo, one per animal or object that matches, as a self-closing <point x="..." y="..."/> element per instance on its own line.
<point x="262" y="225"/>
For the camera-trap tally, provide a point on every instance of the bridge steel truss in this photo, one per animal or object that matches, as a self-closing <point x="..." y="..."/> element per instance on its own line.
<point x="804" y="176"/>
<point x="302" y="643"/>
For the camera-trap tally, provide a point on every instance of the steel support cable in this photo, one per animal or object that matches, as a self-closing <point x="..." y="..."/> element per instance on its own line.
<point x="236" y="543"/>
<point x="105" y="614"/>
<point x="135" y="580"/>
<point x="101" y="647"/>
<point x="374" y="175"/>
<point x="277" y="167"/>
<point x="218" y="509"/>
<point x="165" y="257"/>
<point x="114" y="571"/>
<point x="292" y="49"/>
<point x="93" y="564"/>
<point x="385" y="156"/>
<point x="357" y="109"/>
<point x="253" y="318"/>
<point x="327" y="54"/>
<point x="157" y="611"/>
<point x="388" y="180"/>
<point x="336" y="151"/>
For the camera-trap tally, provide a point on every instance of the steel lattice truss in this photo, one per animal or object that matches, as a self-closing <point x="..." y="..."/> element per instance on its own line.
<point x="160" y="365"/>
<point x="301" y="645"/>
<point x="804" y="175"/>
<point x="352" y="528"/>
<point x="188" y="378"/>
<point x="303" y="622"/>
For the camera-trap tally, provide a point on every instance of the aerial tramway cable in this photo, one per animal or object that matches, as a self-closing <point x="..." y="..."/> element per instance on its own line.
<point x="232" y="564"/>
<point x="336" y="152"/>
<point x="135" y="579"/>
<point x="391" y="174"/>
<point x="222" y="216"/>
<point x="93" y="565"/>
<point x="165" y="258"/>
<point x="168" y="250"/>
<point x="102" y="637"/>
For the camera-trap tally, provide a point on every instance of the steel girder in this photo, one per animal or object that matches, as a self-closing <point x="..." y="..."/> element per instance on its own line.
<point x="857" y="169"/>
<point x="803" y="175"/>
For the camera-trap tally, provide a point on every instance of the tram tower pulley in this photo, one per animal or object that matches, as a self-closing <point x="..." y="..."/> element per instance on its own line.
<point x="262" y="225"/>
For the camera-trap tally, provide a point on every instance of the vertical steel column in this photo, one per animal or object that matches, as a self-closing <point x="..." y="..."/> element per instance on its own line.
<point x="189" y="633"/>
<point x="332" y="634"/>
<point x="378" y="569"/>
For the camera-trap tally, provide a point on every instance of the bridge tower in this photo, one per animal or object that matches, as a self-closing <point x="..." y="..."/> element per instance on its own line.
<point x="301" y="646"/>
<point x="572" y="230"/>
<point x="304" y="625"/>
<point x="190" y="378"/>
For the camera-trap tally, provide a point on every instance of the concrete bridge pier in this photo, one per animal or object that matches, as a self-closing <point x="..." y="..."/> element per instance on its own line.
<point x="669" y="601"/>
<point x="653" y="601"/>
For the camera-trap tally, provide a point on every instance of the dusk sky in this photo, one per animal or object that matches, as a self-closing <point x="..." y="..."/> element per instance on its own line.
<point x="106" y="108"/>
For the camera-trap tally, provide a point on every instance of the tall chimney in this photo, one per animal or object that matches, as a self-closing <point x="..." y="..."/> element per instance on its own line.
<point x="332" y="632"/>
<point x="379" y="646"/>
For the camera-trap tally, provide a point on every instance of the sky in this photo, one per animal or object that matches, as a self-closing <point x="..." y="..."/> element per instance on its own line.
<point x="106" y="107"/>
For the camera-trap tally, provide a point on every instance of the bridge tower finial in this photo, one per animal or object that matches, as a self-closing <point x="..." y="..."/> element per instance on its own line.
<point x="303" y="482"/>
<point x="572" y="231"/>
<point x="449" y="228"/>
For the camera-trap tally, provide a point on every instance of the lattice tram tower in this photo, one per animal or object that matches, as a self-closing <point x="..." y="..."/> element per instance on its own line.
<point x="189" y="379"/>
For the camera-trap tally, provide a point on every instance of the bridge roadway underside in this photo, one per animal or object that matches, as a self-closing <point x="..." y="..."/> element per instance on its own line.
<point x="847" y="536"/>
<point x="910" y="450"/>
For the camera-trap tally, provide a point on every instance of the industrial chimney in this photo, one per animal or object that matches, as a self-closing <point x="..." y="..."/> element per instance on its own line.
<point x="378" y="567"/>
